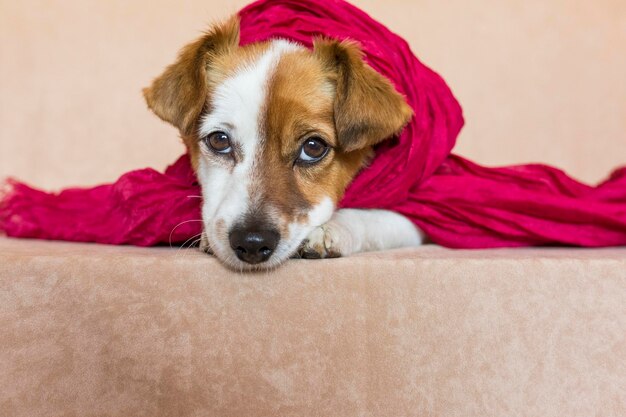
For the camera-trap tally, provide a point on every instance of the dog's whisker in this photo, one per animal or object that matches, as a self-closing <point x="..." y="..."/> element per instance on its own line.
<point x="181" y="255"/>
<point x="177" y="226"/>
<point x="186" y="250"/>
<point x="197" y="239"/>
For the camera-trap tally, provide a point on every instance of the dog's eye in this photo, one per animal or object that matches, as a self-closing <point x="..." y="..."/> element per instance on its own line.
<point x="313" y="150"/>
<point x="219" y="142"/>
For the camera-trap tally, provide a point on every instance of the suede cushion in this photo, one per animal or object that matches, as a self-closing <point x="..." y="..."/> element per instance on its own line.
<point x="90" y="330"/>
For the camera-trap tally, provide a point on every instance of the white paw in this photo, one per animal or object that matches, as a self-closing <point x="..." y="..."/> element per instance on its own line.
<point x="331" y="240"/>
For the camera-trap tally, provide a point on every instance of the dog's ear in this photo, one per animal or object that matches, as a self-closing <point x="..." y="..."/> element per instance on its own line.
<point x="368" y="109"/>
<point x="178" y="95"/>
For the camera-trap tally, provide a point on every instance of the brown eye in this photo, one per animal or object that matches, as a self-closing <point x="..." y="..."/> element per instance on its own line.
<point x="313" y="150"/>
<point x="219" y="142"/>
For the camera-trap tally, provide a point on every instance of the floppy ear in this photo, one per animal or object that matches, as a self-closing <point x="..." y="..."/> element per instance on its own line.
<point x="368" y="109"/>
<point x="178" y="95"/>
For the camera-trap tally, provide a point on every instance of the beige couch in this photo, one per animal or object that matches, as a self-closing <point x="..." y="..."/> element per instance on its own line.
<point x="92" y="330"/>
<point x="88" y="330"/>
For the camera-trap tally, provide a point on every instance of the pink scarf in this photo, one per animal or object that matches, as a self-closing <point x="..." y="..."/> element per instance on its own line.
<point x="456" y="202"/>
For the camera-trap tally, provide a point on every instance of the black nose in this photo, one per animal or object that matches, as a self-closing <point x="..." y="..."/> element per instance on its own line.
<point x="253" y="246"/>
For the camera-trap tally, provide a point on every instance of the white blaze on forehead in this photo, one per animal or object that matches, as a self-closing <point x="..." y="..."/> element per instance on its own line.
<point x="239" y="100"/>
<point x="236" y="108"/>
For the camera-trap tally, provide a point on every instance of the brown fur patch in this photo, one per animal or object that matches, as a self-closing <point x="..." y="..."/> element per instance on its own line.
<point x="178" y="95"/>
<point x="368" y="109"/>
<point x="299" y="105"/>
<point x="307" y="96"/>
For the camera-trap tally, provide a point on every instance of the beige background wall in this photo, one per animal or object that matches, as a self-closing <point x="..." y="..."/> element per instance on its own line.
<point x="540" y="80"/>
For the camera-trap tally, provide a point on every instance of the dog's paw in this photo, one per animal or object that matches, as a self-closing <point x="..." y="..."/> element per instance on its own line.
<point x="331" y="240"/>
<point x="204" y="244"/>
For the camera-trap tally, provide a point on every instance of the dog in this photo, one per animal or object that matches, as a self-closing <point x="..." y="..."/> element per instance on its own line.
<point x="276" y="132"/>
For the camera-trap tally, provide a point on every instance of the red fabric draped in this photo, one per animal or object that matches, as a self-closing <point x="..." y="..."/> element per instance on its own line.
<point x="456" y="202"/>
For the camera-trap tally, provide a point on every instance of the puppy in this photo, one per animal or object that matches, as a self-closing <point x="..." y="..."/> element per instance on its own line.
<point x="276" y="132"/>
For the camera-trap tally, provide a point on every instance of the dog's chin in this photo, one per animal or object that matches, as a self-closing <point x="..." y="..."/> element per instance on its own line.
<point x="228" y="258"/>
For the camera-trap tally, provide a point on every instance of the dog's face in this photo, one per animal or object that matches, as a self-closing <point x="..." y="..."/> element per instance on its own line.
<point x="276" y="132"/>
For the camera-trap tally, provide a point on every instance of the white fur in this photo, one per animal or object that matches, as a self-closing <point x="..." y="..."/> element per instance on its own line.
<point x="354" y="230"/>
<point x="236" y="109"/>
<point x="237" y="102"/>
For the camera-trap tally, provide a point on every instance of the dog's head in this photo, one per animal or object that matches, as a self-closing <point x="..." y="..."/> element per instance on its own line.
<point x="276" y="132"/>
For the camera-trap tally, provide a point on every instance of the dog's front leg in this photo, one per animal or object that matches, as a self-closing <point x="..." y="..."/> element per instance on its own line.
<point x="355" y="230"/>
